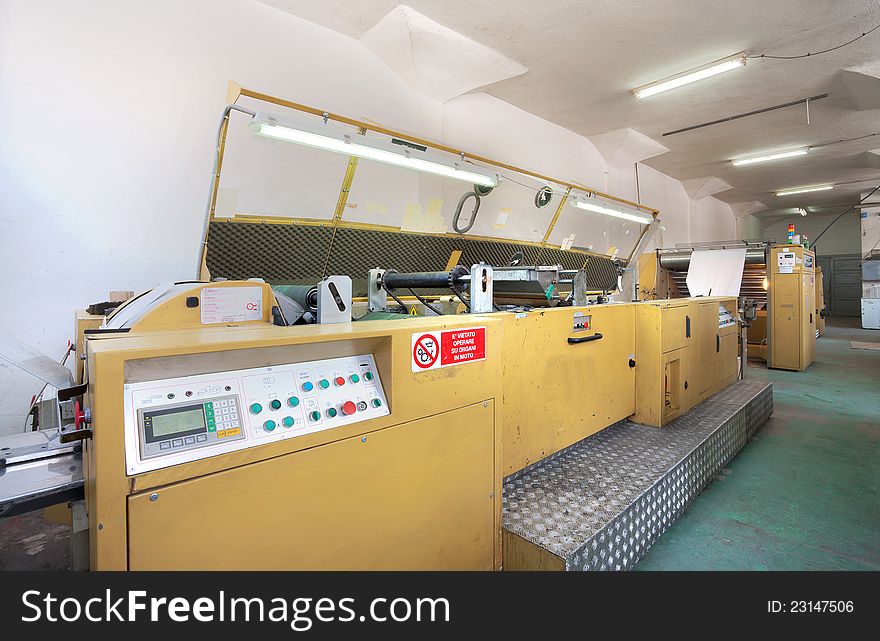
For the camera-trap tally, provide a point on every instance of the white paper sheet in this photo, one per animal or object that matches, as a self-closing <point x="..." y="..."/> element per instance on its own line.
<point x="716" y="272"/>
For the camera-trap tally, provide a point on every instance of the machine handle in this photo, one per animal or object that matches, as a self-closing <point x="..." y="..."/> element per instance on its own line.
<point x="584" y="339"/>
<point x="717" y="343"/>
<point x="687" y="326"/>
<point x="811" y="318"/>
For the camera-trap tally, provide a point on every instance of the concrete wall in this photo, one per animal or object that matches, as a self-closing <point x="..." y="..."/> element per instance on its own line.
<point x="841" y="238"/>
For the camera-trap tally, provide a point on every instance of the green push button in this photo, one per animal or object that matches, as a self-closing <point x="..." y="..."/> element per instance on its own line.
<point x="315" y="416"/>
<point x="256" y="408"/>
<point x="323" y="383"/>
<point x="332" y="412"/>
<point x="293" y="401"/>
<point x="211" y="426"/>
<point x="355" y="378"/>
<point x="287" y="421"/>
<point x="376" y="402"/>
<point x="368" y="376"/>
<point x="275" y="404"/>
<point x="269" y="426"/>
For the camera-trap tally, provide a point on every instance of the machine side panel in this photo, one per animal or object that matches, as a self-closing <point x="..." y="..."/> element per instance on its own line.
<point x="420" y="495"/>
<point x="556" y="392"/>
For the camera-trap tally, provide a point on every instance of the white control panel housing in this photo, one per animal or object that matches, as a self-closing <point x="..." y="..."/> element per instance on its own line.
<point x="178" y="420"/>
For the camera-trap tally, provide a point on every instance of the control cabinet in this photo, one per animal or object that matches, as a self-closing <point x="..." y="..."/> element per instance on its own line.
<point x="718" y="345"/>
<point x="665" y="335"/>
<point x="315" y="447"/>
<point x="792" y="327"/>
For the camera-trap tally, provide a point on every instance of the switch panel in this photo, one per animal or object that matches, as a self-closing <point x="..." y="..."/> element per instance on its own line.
<point x="177" y="420"/>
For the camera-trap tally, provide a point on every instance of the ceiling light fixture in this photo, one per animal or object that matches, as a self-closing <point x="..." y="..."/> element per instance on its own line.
<point x="403" y="154"/>
<point x="802" y="211"/>
<point x="706" y="71"/>
<point x="803" y="190"/>
<point x="591" y="204"/>
<point x="768" y="157"/>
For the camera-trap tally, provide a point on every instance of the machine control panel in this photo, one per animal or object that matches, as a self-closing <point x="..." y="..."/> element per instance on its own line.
<point x="725" y="317"/>
<point x="178" y="420"/>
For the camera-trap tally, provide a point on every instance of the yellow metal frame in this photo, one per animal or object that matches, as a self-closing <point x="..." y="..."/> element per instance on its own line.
<point x="236" y="91"/>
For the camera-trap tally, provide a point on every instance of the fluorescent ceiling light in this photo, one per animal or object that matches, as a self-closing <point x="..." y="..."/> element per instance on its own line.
<point x="592" y="205"/>
<point x="407" y="155"/>
<point x="803" y="190"/>
<point x="687" y="77"/>
<point x="779" y="156"/>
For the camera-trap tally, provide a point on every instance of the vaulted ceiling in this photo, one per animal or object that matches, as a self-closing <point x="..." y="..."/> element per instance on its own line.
<point x="575" y="63"/>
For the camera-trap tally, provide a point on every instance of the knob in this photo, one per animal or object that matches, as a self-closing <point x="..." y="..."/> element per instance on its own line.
<point x="293" y="401"/>
<point x="349" y="408"/>
<point x="355" y="378"/>
<point x="376" y="402"/>
<point x="323" y="383"/>
<point x="315" y="415"/>
<point x="269" y="426"/>
<point x="332" y="412"/>
<point x="308" y="386"/>
<point x="287" y="421"/>
<point x="362" y="405"/>
<point x="339" y="381"/>
<point x="275" y="404"/>
<point x="256" y="408"/>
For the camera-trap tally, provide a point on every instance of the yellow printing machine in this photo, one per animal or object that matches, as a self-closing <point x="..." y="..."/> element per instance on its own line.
<point x="216" y="436"/>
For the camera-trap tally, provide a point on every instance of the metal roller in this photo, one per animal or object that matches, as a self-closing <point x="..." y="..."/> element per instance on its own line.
<point x="679" y="260"/>
<point x="305" y="295"/>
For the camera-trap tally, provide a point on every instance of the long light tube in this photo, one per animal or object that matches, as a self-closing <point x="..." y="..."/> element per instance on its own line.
<point x="803" y="190"/>
<point x="706" y="71"/>
<point x="342" y="145"/>
<point x="783" y="154"/>
<point x="608" y="211"/>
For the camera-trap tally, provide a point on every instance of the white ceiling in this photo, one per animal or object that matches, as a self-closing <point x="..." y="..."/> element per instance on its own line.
<point x="583" y="59"/>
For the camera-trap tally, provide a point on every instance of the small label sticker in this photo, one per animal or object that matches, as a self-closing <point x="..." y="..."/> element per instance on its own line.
<point x="231" y="304"/>
<point x="431" y="350"/>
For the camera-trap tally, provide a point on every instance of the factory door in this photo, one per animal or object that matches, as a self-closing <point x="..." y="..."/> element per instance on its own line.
<point x="843" y="285"/>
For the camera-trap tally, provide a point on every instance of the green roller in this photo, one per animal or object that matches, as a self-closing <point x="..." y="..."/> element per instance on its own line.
<point x="384" y="316"/>
<point x="305" y="295"/>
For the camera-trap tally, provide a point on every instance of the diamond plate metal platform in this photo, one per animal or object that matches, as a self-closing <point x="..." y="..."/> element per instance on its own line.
<point x="601" y="503"/>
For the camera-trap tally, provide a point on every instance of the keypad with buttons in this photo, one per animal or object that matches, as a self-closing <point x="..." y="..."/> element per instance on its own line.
<point x="190" y="418"/>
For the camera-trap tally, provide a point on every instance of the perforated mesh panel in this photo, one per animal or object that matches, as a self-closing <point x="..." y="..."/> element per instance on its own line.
<point x="297" y="254"/>
<point x="279" y="254"/>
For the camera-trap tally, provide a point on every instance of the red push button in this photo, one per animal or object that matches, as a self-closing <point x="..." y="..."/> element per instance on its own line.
<point x="349" y="408"/>
<point x="339" y="381"/>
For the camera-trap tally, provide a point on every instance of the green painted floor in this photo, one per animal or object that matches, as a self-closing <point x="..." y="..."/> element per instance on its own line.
<point x="804" y="493"/>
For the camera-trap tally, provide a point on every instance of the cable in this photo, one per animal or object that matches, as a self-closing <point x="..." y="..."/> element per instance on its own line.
<point x="425" y="303"/>
<point x="817" y="53"/>
<point x="398" y="301"/>
<point x="845" y="211"/>
<point x="467" y="305"/>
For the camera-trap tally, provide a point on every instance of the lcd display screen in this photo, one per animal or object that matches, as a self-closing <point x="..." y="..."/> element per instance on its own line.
<point x="172" y="423"/>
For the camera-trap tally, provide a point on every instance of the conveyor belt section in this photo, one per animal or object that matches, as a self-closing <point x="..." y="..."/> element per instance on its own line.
<point x="601" y="503"/>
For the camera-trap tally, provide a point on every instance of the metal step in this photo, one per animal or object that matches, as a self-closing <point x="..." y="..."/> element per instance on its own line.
<point x="601" y="503"/>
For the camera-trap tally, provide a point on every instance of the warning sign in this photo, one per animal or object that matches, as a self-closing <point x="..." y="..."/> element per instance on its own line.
<point x="451" y="347"/>
<point x="426" y="349"/>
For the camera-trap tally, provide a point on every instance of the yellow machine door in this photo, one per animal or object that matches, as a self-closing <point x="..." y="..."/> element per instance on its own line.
<point x="787" y="330"/>
<point x="676" y="327"/>
<point x="420" y="495"/>
<point x="709" y="349"/>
